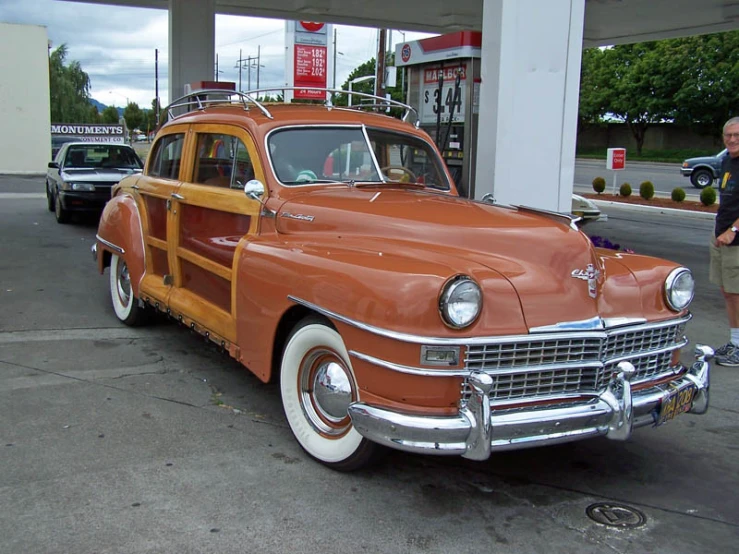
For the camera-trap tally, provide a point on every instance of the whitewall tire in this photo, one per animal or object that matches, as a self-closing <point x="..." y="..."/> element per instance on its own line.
<point x="125" y="304"/>
<point x="317" y="386"/>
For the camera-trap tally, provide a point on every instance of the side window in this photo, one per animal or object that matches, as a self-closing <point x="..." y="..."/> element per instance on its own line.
<point x="222" y="161"/>
<point x="167" y="157"/>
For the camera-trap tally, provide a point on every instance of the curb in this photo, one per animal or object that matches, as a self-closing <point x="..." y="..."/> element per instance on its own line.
<point x="690" y="214"/>
<point x="602" y="162"/>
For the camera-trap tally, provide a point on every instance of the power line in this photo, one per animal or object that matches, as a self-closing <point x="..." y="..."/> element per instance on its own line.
<point x="250" y="38"/>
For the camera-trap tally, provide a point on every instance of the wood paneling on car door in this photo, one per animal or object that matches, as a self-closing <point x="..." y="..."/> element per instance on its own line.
<point x="154" y="193"/>
<point x="212" y="220"/>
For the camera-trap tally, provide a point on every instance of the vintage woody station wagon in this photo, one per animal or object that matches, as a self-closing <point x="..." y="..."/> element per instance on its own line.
<point x="327" y="248"/>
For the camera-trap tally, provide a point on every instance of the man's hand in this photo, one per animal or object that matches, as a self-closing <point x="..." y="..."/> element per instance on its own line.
<point x="725" y="238"/>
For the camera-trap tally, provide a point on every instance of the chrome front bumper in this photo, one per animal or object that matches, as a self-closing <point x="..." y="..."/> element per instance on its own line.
<point x="477" y="430"/>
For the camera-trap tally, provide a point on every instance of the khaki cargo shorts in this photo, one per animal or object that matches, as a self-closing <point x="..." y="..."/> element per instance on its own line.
<point x="724" y="268"/>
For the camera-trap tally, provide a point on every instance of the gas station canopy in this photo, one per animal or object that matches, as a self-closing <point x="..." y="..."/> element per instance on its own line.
<point x="523" y="90"/>
<point x="606" y="21"/>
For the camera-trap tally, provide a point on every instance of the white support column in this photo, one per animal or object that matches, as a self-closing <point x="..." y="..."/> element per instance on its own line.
<point x="192" y="35"/>
<point x="531" y="56"/>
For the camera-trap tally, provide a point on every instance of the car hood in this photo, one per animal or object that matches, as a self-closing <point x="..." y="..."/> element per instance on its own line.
<point x="544" y="258"/>
<point x="95" y="175"/>
<point x="701" y="160"/>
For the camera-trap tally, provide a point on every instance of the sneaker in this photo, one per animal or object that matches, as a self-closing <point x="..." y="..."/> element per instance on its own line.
<point x="730" y="358"/>
<point x="724" y="350"/>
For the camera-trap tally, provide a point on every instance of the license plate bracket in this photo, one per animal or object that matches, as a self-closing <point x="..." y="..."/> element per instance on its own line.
<point x="677" y="400"/>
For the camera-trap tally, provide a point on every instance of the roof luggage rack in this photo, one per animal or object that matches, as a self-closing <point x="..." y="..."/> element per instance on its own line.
<point x="202" y="99"/>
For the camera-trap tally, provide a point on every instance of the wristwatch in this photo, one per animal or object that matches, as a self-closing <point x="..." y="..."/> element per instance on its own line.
<point x="734" y="229"/>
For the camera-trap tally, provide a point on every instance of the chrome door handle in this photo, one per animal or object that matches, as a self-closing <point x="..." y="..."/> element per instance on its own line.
<point x="177" y="196"/>
<point x="135" y="187"/>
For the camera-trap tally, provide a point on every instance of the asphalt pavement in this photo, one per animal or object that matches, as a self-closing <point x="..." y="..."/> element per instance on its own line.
<point x="149" y="440"/>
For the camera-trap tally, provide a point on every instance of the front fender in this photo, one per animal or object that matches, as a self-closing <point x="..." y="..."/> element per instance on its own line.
<point x="120" y="232"/>
<point x="396" y="291"/>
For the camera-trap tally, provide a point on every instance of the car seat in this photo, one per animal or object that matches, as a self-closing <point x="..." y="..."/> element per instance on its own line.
<point x="76" y="158"/>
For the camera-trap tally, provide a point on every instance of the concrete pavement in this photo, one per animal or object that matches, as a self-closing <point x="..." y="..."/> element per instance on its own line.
<point x="119" y="440"/>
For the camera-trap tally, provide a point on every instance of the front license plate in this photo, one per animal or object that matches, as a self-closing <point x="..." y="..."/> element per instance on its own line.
<point x="678" y="400"/>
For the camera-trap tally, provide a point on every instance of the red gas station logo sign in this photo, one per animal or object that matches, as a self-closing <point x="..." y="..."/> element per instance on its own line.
<point x="312" y="26"/>
<point x="405" y="53"/>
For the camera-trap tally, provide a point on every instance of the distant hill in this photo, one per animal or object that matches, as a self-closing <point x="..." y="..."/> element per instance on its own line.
<point x="100" y="106"/>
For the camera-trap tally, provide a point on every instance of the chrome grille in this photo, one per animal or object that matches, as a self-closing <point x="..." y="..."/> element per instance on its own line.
<point x="538" y="366"/>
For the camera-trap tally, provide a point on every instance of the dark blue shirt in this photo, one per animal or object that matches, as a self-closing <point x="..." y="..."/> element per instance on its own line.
<point x="728" y="187"/>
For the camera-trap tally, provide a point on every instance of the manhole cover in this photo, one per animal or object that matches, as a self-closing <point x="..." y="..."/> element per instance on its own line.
<point x="616" y="515"/>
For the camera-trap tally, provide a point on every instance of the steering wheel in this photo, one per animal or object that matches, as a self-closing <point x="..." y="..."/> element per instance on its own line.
<point x="306" y="176"/>
<point x="400" y="168"/>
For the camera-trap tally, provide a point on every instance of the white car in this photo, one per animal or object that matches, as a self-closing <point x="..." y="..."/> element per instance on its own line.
<point x="586" y="209"/>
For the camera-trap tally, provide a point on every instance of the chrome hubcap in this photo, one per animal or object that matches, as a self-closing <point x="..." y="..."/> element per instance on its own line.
<point x="332" y="391"/>
<point x="124" y="283"/>
<point x="325" y="392"/>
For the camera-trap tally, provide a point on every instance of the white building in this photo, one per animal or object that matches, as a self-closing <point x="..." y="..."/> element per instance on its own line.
<point x="25" y="136"/>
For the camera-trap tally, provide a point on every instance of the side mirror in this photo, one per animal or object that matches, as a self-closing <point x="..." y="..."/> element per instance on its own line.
<point x="254" y="189"/>
<point x="53" y="165"/>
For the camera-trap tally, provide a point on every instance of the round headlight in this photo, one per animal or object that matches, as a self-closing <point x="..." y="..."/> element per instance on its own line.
<point x="460" y="302"/>
<point x="679" y="288"/>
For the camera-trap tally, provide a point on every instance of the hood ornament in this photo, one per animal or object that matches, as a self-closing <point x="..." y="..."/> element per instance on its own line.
<point x="589" y="274"/>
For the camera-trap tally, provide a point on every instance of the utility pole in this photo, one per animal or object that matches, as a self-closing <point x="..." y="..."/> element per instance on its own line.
<point x="251" y="61"/>
<point x="334" y="85"/>
<point x="238" y="64"/>
<point x="156" y="83"/>
<point x="380" y="65"/>
<point x="216" y="68"/>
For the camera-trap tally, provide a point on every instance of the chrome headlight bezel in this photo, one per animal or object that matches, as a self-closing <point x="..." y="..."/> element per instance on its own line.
<point x="451" y="295"/>
<point x="677" y="278"/>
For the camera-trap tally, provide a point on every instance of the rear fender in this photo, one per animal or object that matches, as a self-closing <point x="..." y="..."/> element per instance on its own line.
<point x="120" y="232"/>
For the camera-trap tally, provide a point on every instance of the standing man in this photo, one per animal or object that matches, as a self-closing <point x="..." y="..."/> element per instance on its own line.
<point x="724" y="269"/>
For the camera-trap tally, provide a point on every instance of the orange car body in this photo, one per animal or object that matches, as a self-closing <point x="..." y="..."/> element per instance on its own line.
<point x="372" y="258"/>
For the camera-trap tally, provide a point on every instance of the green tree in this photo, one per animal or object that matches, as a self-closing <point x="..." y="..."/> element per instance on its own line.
<point x="110" y="115"/>
<point x="692" y="81"/>
<point x="708" y="67"/>
<point x="367" y="69"/>
<point x="592" y="106"/>
<point x="69" y="90"/>
<point x="638" y="90"/>
<point x="134" y="116"/>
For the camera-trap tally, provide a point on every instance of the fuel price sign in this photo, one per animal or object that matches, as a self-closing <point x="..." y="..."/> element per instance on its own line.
<point x="430" y="94"/>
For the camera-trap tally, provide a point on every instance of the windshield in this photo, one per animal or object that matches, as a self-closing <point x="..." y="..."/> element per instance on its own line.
<point x="94" y="156"/>
<point x="341" y="154"/>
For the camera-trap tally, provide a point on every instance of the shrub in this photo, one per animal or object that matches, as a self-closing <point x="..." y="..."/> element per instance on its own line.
<point x="708" y="196"/>
<point x="646" y="190"/>
<point x="599" y="184"/>
<point x="625" y="190"/>
<point x="678" y="194"/>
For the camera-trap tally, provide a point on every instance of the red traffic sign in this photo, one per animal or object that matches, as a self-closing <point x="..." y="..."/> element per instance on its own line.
<point x="312" y="26"/>
<point x="616" y="158"/>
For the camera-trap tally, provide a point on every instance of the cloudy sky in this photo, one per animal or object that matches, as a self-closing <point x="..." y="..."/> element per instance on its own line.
<point x="115" y="46"/>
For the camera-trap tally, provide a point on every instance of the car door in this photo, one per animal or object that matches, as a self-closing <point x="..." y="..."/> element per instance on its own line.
<point x="212" y="219"/>
<point x="53" y="173"/>
<point x="154" y="193"/>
